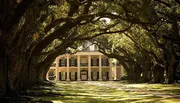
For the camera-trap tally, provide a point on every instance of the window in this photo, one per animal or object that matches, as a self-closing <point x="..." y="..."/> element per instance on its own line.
<point x="73" y="62"/>
<point x="62" y="62"/>
<point x="94" y="62"/>
<point x="84" y="61"/>
<point x="105" y="62"/>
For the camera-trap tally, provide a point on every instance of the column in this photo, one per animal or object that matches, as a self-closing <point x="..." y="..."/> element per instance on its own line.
<point x="121" y="71"/>
<point x="100" y="68"/>
<point x="78" y="69"/>
<point x="89" y="67"/>
<point x="67" y="68"/>
<point x="57" y="69"/>
<point x="118" y="72"/>
<point x="47" y="75"/>
<point x="110" y="68"/>
<point x="115" y="72"/>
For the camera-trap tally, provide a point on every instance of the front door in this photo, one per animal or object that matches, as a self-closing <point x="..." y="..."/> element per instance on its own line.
<point x="84" y="75"/>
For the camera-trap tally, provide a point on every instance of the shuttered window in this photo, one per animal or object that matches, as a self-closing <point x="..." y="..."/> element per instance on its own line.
<point x="94" y="62"/>
<point x="62" y="62"/>
<point x="105" y="62"/>
<point x="73" y="62"/>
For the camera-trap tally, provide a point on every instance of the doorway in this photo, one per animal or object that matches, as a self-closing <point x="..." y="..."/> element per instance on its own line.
<point x="84" y="75"/>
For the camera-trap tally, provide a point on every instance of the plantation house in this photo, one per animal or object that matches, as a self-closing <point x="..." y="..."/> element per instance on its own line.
<point x="85" y="65"/>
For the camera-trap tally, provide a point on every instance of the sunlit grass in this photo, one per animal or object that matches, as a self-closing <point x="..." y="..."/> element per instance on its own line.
<point x="114" y="92"/>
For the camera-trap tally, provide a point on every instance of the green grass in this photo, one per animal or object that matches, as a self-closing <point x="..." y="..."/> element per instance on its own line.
<point x="114" y="92"/>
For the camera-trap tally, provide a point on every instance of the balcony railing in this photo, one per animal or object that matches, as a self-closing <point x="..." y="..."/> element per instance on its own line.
<point x="73" y="64"/>
<point x="84" y="64"/>
<point x="94" y="65"/>
<point x="105" y="64"/>
<point x="62" y="65"/>
<point x="81" y="64"/>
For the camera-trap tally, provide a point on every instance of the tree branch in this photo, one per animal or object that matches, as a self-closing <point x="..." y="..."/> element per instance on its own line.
<point x="178" y="1"/>
<point x="96" y="35"/>
<point x="55" y="23"/>
<point x="162" y="2"/>
<point x="142" y="49"/>
<point x="20" y="11"/>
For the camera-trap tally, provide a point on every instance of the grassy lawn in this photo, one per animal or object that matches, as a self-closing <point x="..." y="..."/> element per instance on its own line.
<point x="114" y="92"/>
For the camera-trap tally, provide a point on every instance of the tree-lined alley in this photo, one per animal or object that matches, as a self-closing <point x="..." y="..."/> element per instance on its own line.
<point x="142" y="35"/>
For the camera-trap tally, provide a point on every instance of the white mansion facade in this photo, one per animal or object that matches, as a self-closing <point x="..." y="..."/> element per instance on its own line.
<point x="82" y="66"/>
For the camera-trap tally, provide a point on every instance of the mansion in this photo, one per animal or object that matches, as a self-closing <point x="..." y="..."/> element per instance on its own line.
<point x="83" y="66"/>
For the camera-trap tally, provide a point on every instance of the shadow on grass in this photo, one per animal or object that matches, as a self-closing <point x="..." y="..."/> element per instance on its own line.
<point x="102" y="92"/>
<point x="91" y="99"/>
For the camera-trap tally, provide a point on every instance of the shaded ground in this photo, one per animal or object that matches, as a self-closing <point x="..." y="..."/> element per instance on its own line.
<point x="112" y="92"/>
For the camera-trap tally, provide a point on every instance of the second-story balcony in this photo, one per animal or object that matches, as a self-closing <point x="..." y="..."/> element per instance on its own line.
<point x="73" y="64"/>
<point x="94" y="65"/>
<point x="84" y="64"/>
<point x="105" y="64"/>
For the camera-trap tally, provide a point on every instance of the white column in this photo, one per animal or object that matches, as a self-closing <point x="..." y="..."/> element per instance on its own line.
<point x="67" y="68"/>
<point x="118" y="71"/>
<point x="78" y="69"/>
<point x="115" y="72"/>
<point x="47" y="75"/>
<point x="110" y="68"/>
<point x="100" y="68"/>
<point x="89" y="67"/>
<point x="57" y="69"/>
<point x="121" y="71"/>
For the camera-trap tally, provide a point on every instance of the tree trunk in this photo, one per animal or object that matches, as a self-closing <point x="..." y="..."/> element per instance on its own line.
<point x="170" y="76"/>
<point x="130" y="75"/>
<point x="13" y="73"/>
<point x="147" y="72"/>
<point x="145" y="75"/>
<point x="3" y="73"/>
<point x="17" y="72"/>
<point x="42" y="76"/>
<point x="137" y="73"/>
<point x="158" y="74"/>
